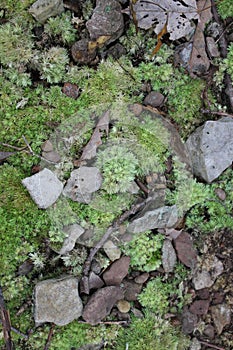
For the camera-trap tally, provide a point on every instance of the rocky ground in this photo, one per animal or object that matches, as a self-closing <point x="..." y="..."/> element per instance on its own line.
<point x="118" y="174"/>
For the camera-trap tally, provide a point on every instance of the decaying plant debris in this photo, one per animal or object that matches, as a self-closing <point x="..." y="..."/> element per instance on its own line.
<point x="117" y="86"/>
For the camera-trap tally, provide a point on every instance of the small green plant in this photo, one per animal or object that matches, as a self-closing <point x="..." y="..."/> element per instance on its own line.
<point x="145" y="251"/>
<point x="119" y="168"/>
<point x="53" y="63"/>
<point x="61" y="27"/>
<point x="151" y="333"/>
<point x="225" y="8"/>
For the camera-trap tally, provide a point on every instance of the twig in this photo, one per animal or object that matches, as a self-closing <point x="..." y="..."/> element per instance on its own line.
<point x="114" y="227"/>
<point x="223" y="50"/>
<point x="13" y="147"/>
<point x="6" y="323"/>
<point x="207" y="111"/>
<point x="48" y="341"/>
<point x="34" y="154"/>
<point x="210" y="345"/>
<point x="142" y="186"/>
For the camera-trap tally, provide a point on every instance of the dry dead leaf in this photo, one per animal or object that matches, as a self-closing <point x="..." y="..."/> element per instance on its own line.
<point x="199" y="62"/>
<point x="176" y="13"/>
<point x="5" y="155"/>
<point x="160" y="43"/>
<point x="89" y="150"/>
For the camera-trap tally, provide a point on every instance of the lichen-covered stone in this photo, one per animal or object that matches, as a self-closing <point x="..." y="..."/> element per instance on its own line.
<point x="57" y="301"/>
<point x="41" y="10"/>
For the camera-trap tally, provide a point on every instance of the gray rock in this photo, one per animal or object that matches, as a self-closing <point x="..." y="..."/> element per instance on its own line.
<point x="107" y="20"/>
<point x="95" y="282"/>
<point x="112" y="251"/>
<point x="44" y="188"/>
<point x="202" y="280"/>
<point x="157" y="218"/>
<point x="211" y="148"/>
<point x="168" y="256"/>
<point x="212" y="47"/>
<point x="41" y="10"/>
<point x="195" y="345"/>
<point x="74" y="232"/>
<point x="52" y="156"/>
<point x="101" y="303"/>
<point x="82" y="183"/>
<point x="57" y="301"/>
<point x="221" y="315"/>
<point x="47" y="146"/>
<point x="154" y="99"/>
<point x="189" y="321"/>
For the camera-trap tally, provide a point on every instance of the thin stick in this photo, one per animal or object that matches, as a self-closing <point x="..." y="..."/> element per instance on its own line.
<point x="207" y="111"/>
<point x="114" y="227"/>
<point x="210" y="345"/>
<point x="34" y="154"/>
<point x="6" y="323"/>
<point x="13" y="147"/>
<point x="48" y="341"/>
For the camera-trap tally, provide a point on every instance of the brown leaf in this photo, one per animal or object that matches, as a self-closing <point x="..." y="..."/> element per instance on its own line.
<point x="5" y="155"/>
<point x="159" y="43"/>
<point x="89" y="150"/>
<point x="199" y="62"/>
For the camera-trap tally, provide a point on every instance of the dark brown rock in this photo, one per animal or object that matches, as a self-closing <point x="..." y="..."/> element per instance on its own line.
<point x="81" y="52"/>
<point x="71" y="90"/>
<point x="107" y="20"/>
<point x="154" y="99"/>
<point x="200" y="307"/>
<point x="142" y="278"/>
<point x="218" y="298"/>
<point x="117" y="271"/>
<point x="209" y="331"/>
<point x="203" y="293"/>
<point x="95" y="282"/>
<point x="185" y="251"/>
<point x="101" y="303"/>
<point x="131" y="290"/>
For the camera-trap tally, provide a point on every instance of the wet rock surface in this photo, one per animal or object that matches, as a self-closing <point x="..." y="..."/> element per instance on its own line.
<point x="44" y="188"/>
<point x="57" y="301"/>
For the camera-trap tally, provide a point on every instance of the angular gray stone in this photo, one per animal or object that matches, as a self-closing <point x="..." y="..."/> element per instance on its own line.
<point x="57" y="301"/>
<point x="74" y="232"/>
<point x="158" y="218"/>
<point x="211" y="148"/>
<point x="202" y="280"/>
<point x="41" y="10"/>
<point x="168" y="256"/>
<point x="82" y="183"/>
<point x="111" y="250"/>
<point x="44" y="188"/>
<point x="154" y="99"/>
<point x="221" y="315"/>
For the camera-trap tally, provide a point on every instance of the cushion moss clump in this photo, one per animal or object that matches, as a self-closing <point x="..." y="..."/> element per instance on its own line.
<point x="145" y="251"/>
<point x="151" y="333"/>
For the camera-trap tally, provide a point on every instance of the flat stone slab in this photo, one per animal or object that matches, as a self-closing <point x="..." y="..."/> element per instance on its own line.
<point x="82" y="183"/>
<point x="211" y="148"/>
<point x="57" y="301"/>
<point x="44" y="188"/>
<point x="41" y="10"/>
<point x="74" y="232"/>
<point x="158" y="218"/>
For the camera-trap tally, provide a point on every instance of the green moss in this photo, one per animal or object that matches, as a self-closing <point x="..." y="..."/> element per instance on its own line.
<point x="145" y="251"/>
<point x="225" y="8"/>
<point x="61" y="28"/>
<point x="151" y="333"/>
